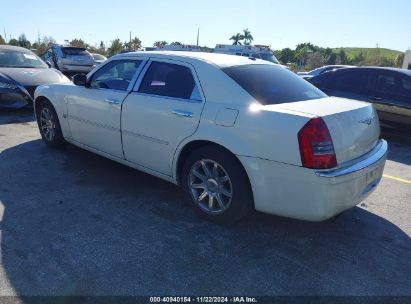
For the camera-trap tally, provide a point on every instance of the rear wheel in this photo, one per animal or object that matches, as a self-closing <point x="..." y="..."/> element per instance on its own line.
<point x="49" y="125"/>
<point x="216" y="185"/>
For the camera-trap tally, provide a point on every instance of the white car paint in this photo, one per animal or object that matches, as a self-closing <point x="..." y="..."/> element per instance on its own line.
<point x="142" y="131"/>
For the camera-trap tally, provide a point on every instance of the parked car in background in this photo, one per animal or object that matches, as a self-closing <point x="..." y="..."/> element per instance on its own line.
<point x="321" y="70"/>
<point x="236" y="133"/>
<point x="389" y="89"/>
<point x="21" y="71"/>
<point x="69" y="60"/>
<point x="98" y="58"/>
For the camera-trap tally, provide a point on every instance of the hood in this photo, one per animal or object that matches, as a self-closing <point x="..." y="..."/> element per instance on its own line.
<point x="33" y="76"/>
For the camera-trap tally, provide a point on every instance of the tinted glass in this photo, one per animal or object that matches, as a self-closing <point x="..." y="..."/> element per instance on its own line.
<point x="353" y="80"/>
<point x="74" y="51"/>
<point x="406" y="86"/>
<point x="19" y="59"/>
<point x="116" y="75"/>
<point x="171" y="80"/>
<point x="386" y="83"/>
<point x="271" y="84"/>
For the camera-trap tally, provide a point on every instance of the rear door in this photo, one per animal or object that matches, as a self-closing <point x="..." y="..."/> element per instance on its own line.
<point x="163" y="109"/>
<point x="391" y="96"/>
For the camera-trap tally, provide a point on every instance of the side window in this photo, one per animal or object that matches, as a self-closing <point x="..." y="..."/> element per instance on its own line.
<point x="386" y="83"/>
<point x="115" y="75"/>
<point x="405" y="86"/>
<point x="353" y="80"/>
<point x="171" y="80"/>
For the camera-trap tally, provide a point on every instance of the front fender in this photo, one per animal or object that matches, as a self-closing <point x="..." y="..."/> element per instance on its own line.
<point x="56" y="94"/>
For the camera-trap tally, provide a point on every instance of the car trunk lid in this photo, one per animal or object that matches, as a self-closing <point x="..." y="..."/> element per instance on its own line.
<point x="353" y="125"/>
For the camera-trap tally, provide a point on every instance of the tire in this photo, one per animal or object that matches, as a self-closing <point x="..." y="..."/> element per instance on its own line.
<point x="49" y="125"/>
<point x="212" y="173"/>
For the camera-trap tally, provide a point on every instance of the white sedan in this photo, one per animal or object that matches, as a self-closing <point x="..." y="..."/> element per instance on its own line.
<point x="236" y="133"/>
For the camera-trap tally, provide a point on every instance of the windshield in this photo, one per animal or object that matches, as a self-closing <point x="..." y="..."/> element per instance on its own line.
<point x="19" y="59"/>
<point x="99" y="57"/>
<point x="271" y="84"/>
<point x="269" y="57"/>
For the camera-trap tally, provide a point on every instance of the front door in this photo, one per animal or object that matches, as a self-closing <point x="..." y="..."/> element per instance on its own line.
<point x="94" y="111"/>
<point x="160" y="113"/>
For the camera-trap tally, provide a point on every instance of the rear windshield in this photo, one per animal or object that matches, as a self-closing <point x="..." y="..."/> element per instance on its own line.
<point x="272" y="84"/>
<point x="74" y="51"/>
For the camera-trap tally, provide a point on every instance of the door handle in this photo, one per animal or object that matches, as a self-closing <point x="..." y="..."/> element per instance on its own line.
<point x="182" y="113"/>
<point x="376" y="98"/>
<point x="112" y="101"/>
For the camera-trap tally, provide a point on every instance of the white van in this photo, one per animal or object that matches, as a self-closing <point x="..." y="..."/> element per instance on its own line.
<point x="253" y="51"/>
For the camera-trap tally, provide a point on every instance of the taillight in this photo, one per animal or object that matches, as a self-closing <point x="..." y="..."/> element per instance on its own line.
<point x="316" y="145"/>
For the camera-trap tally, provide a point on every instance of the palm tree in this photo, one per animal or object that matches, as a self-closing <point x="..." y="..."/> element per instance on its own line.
<point x="160" y="43"/>
<point x="248" y="38"/>
<point x="237" y="38"/>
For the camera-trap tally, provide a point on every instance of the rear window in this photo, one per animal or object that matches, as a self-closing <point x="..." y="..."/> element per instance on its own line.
<point x="271" y="84"/>
<point x="74" y="51"/>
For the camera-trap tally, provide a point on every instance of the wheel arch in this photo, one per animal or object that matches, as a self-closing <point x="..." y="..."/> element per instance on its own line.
<point x="191" y="146"/>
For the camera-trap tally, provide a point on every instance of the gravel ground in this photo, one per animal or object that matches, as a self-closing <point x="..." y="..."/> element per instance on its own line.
<point x="73" y="223"/>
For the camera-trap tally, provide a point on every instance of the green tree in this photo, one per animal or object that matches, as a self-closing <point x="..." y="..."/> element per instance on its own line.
<point x="286" y="55"/>
<point x="342" y="57"/>
<point x="115" y="47"/>
<point x="42" y="45"/>
<point x="176" y="43"/>
<point x="134" y="44"/>
<point x="78" y="43"/>
<point x="102" y="48"/>
<point x="23" y="42"/>
<point x="248" y="38"/>
<point x="399" y="60"/>
<point x="237" y="38"/>
<point x="332" y="59"/>
<point x="315" y="60"/>
<point x="158" y="44"/>
<point x="14" y="42"/>
<point x="2" y="41"/>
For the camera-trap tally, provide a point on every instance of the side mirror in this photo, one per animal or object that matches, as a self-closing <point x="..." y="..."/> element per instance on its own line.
<point x="80" y="80"/>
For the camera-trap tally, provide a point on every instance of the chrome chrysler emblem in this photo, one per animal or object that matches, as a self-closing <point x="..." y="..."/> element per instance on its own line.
<point x="367" y="121"/>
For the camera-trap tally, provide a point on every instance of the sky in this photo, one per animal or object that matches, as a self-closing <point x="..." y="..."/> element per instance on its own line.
<point x="327" y="23"/>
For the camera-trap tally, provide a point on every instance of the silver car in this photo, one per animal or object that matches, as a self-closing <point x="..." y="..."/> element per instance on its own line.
<point x="69" y="59"/>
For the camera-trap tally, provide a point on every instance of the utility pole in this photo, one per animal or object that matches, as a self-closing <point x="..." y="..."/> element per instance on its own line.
<point x="130" y="40"/>
<point x="198" y="35"/>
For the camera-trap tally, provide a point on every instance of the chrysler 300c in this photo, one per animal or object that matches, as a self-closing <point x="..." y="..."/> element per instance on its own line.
<point x="236" y="133"/>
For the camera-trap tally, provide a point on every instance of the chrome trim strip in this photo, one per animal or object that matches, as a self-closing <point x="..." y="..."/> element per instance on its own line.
<point x="166" y="97"/>
<point x="152" y="139"/>
<point x="96" y="124"/>
<point x="381" y="152"/>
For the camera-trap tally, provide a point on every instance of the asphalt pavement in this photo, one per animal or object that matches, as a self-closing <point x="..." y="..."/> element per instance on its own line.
<point x="73" y="223"/>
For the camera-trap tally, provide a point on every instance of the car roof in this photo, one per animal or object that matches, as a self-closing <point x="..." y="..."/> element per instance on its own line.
<point x="13" y="48"/>
<point x="221" y="60"/>
<point x="403" y="71"/>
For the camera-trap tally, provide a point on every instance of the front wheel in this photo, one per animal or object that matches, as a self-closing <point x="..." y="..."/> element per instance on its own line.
<point x="216" y="185"/>
<point x="49" y="125"/>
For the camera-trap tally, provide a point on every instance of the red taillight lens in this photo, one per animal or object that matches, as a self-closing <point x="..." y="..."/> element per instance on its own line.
<point x="316" y="145"/>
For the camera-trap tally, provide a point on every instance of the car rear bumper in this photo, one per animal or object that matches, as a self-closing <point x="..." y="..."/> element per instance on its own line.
<point x="312" y="195"/>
